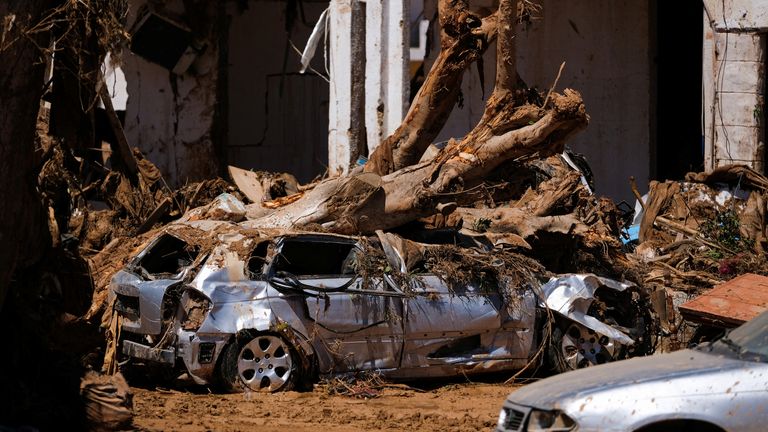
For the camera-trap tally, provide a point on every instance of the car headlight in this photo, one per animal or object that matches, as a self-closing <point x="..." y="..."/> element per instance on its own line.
<point x="502" y="418"/>
<point x="549" y="421"/>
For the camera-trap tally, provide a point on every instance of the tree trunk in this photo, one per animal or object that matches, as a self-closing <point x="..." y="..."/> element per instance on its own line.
<point x="366" y="203"/>
<point x="506" y="65"/>
<point x="464" y="37"/>
<point x="23" y="227"/>
<point x="512" y="127"/>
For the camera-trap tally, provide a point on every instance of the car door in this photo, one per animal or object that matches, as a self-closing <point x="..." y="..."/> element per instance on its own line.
<point x="452" y="322"/>
<point x="447" y="324"/>
<point x="357" y="321"/>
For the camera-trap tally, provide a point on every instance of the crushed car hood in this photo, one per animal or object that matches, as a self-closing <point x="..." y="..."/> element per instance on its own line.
<point x="557" y="391"/>
<point x="571" y="295"/>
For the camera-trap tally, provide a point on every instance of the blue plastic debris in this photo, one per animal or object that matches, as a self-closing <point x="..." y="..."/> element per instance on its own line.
<point x="631" y="234"/>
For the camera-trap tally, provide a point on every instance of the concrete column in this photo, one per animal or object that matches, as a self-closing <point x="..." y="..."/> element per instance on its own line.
<point x="340" y="88"/>
<point x="386" y="81"/>
<point x="708" y="93"/>
<point x="734" y="100"/>
<point x="395" y="71"/>
<point x="375" y="61"/>
<point x="357" y="134"/>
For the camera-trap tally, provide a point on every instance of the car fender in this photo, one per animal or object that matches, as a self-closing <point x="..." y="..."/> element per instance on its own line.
<point x="263" y="315"/>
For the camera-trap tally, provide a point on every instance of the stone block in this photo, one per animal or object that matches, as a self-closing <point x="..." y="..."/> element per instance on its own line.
<point x="741" y="77"/>
<point x="740" y="47"/>
<point x="738" y="144"/>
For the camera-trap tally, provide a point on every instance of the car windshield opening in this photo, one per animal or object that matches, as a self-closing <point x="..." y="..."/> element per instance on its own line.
<point x="168" y="256"/>
<point x="257" y="259"/>
<point x="306" y="258"/>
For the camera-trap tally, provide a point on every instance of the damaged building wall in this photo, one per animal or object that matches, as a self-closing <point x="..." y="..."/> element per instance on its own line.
<point x="734" y="82"/>
<point x="170" y="117"/>
<point x="605" y="45"/>
<point x="277" y="117"/>
<point x="241" y="102"/>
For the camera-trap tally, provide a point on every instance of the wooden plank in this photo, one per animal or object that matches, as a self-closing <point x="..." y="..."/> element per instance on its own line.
<point x="248" y="183"/>
<point x="731" y="303"/>
<point x="123" y="150"/>
<point x="161" y="210"/>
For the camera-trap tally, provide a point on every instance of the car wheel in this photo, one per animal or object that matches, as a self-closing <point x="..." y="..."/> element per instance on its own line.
<point x="575" y="346"/>
<point x="259" y="362"/>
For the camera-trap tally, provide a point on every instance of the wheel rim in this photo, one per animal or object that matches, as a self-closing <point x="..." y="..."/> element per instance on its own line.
<point x="264" y="363"/>
<point x="582" y="347"/>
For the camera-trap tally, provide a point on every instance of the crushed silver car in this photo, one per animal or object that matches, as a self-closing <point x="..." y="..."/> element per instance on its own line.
<point x="228" y="303"/>
<point x="719" y="386"/>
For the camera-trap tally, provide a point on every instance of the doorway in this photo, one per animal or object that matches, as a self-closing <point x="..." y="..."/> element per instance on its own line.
<point x="677" y="135"/>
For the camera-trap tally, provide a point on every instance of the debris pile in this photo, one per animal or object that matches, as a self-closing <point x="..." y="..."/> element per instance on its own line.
<point x="698" y="233"/>
<point x="508" y="200"/>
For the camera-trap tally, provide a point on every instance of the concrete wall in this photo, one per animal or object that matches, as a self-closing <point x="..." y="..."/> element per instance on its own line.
<point x="170" y="117"/>
<point x="605" y="44"/>
<point x="733" y="72"/>
<point x="734" y="76"/>
<point x="278" y="119"/>
<point x="737" y="15"/>
<point x="275" y="119"/>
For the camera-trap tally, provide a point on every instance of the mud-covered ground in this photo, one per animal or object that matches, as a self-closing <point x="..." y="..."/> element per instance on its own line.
<point x="449" y="407"/>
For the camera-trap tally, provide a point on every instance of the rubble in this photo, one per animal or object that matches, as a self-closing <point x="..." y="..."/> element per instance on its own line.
<point x="507" y="204"/>
<point x="696" y="234"/>
<point x="729" y="304"/>
<point x="539" y="216"/>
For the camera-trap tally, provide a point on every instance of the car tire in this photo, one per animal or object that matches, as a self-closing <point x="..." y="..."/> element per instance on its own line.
<point x="259" y="361"/>
<point x="574" y="346"/>
<point x="626" y="309"/>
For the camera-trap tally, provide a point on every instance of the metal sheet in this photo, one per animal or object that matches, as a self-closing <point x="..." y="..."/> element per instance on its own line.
<point x="572" y="295"/>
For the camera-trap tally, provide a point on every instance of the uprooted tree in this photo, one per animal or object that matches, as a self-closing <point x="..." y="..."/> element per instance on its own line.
<point x="395" y="187"/>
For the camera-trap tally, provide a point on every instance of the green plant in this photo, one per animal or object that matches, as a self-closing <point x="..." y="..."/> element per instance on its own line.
<point x="724" y="229"/>
<point x="481" y="225"/>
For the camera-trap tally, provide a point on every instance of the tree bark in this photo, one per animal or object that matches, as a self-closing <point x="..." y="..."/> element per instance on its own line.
<point x="464" y="37"/>
<point x="506" y="65"/>
<point x="23" y="225"/>
<point x="367" y="202"/>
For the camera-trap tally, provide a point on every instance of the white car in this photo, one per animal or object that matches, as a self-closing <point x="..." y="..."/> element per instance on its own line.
<point x="719" y="386"/>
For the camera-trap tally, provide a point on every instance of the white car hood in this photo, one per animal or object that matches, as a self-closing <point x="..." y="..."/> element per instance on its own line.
<point x="560" y="390"/>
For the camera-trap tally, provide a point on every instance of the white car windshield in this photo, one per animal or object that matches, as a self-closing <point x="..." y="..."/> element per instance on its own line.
<point x="750" y="340"/>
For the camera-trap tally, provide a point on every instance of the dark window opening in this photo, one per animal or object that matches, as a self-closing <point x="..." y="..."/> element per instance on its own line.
<point x="304" y="258"/>
<point x="463" y="346"/>
<point x="168" y="256"/>
<point x="678" y="133"/>
<point x="257" y="259"/>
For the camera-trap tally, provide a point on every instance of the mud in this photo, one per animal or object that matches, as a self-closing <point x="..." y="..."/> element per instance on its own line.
<point x="453" y="407"/>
